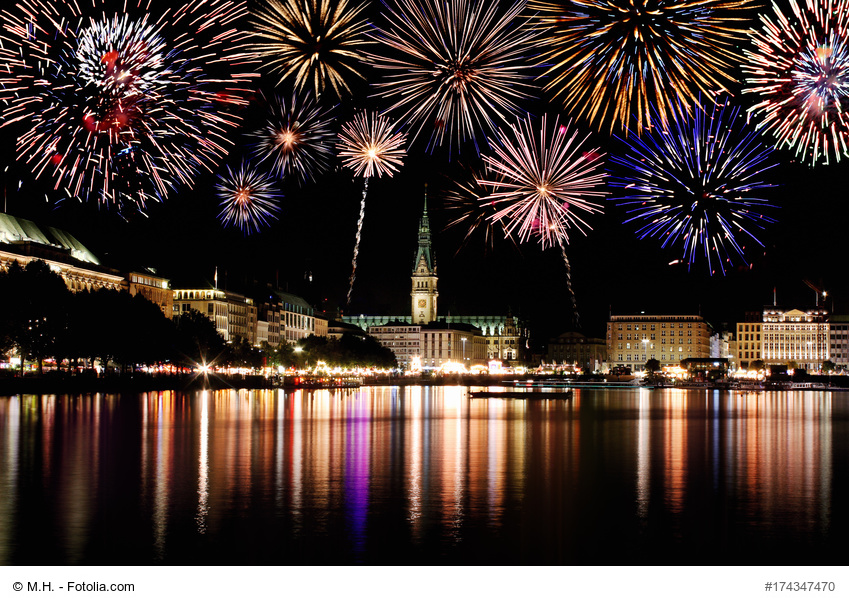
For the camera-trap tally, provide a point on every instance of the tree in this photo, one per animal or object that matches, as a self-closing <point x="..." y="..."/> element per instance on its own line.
<point x="197" y="341"/>
<point x="34" y="311"/>
<point x="652" y="366"/>
<point x="828" y="366"/>
<point x="347" y="351"/>
<point x="242" y="354"/>
<point x="756" y="365"/>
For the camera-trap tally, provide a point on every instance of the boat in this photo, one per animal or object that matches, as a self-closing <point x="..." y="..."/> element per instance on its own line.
<point x="523" y="395"/>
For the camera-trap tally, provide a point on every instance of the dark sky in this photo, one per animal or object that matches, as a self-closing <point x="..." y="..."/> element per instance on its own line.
<point x="611" y="268"/>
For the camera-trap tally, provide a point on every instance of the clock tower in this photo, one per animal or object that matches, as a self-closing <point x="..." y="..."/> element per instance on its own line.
<point x="424" y="275"/>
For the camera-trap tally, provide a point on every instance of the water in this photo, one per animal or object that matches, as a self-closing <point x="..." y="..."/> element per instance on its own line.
<point x="421" y="475"/>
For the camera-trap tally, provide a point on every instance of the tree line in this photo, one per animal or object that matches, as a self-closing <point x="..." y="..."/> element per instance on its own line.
<point x="41" y="319"/>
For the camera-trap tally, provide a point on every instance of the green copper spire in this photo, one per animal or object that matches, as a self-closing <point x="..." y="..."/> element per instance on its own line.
<point x="424" y="251"/>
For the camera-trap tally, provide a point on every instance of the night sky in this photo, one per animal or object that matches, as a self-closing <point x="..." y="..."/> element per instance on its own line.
<point x="611" y="269"/>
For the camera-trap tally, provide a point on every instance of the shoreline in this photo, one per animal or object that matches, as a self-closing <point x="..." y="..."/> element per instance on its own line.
<point x="56" y="383"/>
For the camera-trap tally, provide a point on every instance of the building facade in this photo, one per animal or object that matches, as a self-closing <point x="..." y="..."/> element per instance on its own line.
<point x="268" y="314"/>
<point x="749" y="343"/>
<point x="23" y="241"/>
<point x="577" y="349"/>
<point x="455" y="343"/>
<point x="211" y="302"/>
<point x="153" y="288"/>
<point x="631" y="340"/>
<point x="402" y="339"/>
<point x="795" y="337"/>
<point x="838" y="341"/>
<point x="297" y="317"/>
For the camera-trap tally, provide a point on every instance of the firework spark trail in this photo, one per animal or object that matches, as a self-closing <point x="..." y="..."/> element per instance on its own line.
<point x="465" y="197"/>
<point x="800" y="68"/>
<point x="370" y="146"/>
<point x="120" y="108"/>
<point x="314" y="42"/>
<point x="694" y="181"/>
<point x="612" y="60"/>
<point x="357" y="242"/>
<point x="247" y="199"/>
<point x="452" y="68"/>
<point x="540" y="182"/>
<point x="575" y="315"/>
<point x="296" y="138"/>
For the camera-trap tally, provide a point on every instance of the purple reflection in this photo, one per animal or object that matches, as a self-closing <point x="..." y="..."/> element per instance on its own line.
<point x="357" y="471"/>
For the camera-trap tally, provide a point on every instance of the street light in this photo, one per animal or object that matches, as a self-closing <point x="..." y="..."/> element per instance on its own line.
<point x="645" y="352"/>
<point x="463" y="339"/>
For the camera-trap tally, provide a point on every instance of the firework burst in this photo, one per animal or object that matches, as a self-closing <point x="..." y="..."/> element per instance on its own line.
<point x="692" y="184"/>
<point x="611" y="60"/>
<point x="464" y="199"/>
<point x="453" y="67"/>
<point x="541" y="183"/>
<point x="296" y="137"/>
<point x="314" y="42"/>
<point x="248" y="199"/>
<point x="121" y="108"/>
<point x="800" y="67"/>
<point x="370" y="146"/>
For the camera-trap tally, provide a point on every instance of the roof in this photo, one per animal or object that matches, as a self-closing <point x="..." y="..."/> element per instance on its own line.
<point x="14" y="230"/>
<point x="460" y="326"/>
<point x="291" y="299"/>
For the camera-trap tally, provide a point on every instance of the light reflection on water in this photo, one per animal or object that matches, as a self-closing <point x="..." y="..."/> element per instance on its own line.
<point x="423" y="475"/>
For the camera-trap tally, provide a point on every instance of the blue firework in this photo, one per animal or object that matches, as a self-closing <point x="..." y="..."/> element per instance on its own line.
<point x="697" y="184"/>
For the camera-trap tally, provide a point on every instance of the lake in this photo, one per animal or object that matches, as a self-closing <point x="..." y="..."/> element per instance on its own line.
<point x="425" y="475"/>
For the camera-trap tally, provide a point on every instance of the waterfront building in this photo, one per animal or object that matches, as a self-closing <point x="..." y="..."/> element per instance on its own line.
<point x="322" y="326"/>
<point x="241" y="318"/>
<point x="402" y="338"/>
<point x="502" y="335"/>
<point x="297" y="318"/>
<point x="633" y="339"/>
<point x="795" y="337"/>
<point x="335" y="329"/>
<point x="435" y="344"/>
<point x="838" y="341"/>
<point x="268" y="321"/>
<point x="211" y="302"/>
<point x="444" y="343"/>
<point x="24" y="241"/>
<point x="720" y="344"/>
<point x="749" y="342"/>
<point x="577" y="349"/>
<point x="153" y="288"/>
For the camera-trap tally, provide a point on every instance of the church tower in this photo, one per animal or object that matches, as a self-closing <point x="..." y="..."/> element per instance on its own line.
<point x="424" y="275"/>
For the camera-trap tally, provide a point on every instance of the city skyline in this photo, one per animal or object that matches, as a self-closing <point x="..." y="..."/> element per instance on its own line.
<point x="612" y="271"/>
<point x="313" y="233"/>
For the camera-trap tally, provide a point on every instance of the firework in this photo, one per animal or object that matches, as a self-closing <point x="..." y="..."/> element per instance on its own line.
<point x="120" y="108"/>
<point x="371" y="146"/>
<point x="247" y="199"/>
<point x="314" y="42"/>
<point x="540" y="182"/>
<point x="296" y="137"/>
<point x="453" y="66"/>
<point x="576" y="317"/>
<point x="800" y="67"/>
<point x="611" y="60"/>
<point x="465" y="199"/>
<point x="693" y="184"/>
